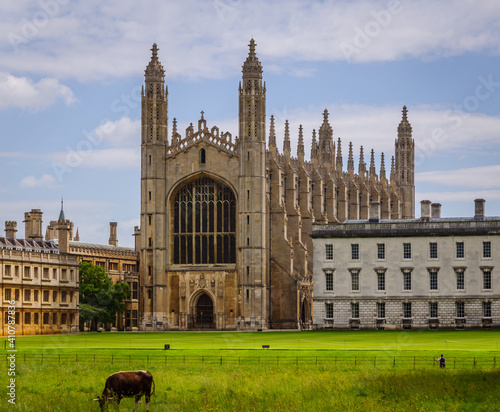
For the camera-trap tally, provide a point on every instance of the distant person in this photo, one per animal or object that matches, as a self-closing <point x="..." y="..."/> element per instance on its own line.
<point x="442" y="361"/>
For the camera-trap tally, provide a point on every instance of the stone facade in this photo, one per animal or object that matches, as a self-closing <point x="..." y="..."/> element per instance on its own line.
<point x="225" y="221"/>
<point x="423" y="273"/>
<point x="41" y="280"/>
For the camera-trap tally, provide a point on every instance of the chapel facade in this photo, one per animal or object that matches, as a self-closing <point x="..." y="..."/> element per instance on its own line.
<point x="224" y="235"/>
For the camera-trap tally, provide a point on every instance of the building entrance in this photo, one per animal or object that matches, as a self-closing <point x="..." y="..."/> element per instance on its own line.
<point x="204" y="312"/>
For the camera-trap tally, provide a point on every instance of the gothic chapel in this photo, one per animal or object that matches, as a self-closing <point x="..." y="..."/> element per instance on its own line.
<point x="225" y="221"/>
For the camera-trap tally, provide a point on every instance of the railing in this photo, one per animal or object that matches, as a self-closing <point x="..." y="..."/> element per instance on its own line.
<point x="331" y="361"/>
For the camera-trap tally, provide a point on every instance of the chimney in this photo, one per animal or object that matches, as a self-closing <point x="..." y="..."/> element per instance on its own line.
<point x="374" y="212"/>
<point x="64" y="228"/>
<point x="436" y="210"/>
<point x="113" y="239"/>
<point x="425" y="210"/>
<point x="10" y="229"/>
<point x="33" y="225"/>
<point x="137" y="236"/>
<point x="479" y="209"/>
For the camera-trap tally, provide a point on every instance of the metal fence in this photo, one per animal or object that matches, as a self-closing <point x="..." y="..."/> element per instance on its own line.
<point x="332" y="361"/>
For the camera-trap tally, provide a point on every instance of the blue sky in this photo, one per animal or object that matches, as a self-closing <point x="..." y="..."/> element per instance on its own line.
<point x="71" y="73"/>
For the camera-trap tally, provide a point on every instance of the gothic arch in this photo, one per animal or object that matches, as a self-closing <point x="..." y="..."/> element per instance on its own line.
<point x="203" y="218"/>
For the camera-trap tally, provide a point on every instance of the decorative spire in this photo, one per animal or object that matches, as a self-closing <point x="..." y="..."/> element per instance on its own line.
<point x="338" y="162"/>
<point x="393" y="171"/>
<point x="300" y="144"/>
<point x="286" y="140"/>
<point x="382" y="168"/>
<point x="314" y="146"/>
<point x="154" y="71"/>
<point x="252" y="66"/>
<point x="350" y="160"/>
<point x="373" y="172"/>
<point x="61" y="213"/>
<point x="77" y="236"/>
<point x="362" y="164"/>
<point x="405" y="126"/>
<point x="326" y="139"/>
<point x="272" y="133"/>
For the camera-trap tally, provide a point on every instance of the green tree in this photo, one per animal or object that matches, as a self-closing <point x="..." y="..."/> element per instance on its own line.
<point x="100" y="300"/>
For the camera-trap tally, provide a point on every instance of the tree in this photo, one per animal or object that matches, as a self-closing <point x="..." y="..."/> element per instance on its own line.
<point x="100" y="300"/>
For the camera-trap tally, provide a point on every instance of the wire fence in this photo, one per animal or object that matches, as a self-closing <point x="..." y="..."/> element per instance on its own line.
<point x="387" y="361"/>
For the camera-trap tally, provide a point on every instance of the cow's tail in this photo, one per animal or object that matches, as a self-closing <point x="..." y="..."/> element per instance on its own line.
<point x="153" y="391"/>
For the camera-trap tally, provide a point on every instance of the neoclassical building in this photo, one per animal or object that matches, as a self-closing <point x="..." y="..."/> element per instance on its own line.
<point x="224" y="236"/>
<point x="425" y="273"/>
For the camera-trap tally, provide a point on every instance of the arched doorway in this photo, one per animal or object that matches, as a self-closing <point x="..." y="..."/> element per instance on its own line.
<point x="204" y="317"/>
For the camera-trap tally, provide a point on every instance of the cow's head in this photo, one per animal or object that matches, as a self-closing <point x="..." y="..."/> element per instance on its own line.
<point x="101" y="401"/>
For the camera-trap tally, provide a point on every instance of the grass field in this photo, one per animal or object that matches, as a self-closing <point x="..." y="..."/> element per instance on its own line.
<point x="311" y="371"/>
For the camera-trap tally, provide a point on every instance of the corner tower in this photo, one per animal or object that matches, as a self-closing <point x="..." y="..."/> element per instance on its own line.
<point x="405" y="167"/>
<point x="252" y="205"/>
<point x="154" y="141"/>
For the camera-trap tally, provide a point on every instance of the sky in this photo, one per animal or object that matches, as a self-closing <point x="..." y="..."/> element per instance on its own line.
<point x="71" y="73"/>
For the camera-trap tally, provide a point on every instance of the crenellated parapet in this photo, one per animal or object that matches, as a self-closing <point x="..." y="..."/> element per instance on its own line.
<point x="213" y="136"/>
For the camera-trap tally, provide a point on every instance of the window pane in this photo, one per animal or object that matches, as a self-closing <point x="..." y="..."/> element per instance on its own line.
<point x="329" y="252"/>
<point x="354" y="251"/>
<point x="487" y="280"/>
<point x="433" y="250"/>
<point x="406" y="250"/>
<point x="381" y="251"/>
<point x="486" y="249"/>
<point x="460" y="250"/>
<point x="433" y="280"/>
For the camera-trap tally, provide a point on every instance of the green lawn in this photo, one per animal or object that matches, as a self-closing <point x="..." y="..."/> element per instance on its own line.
<point x="302" y="371"/>
<point x="475" y="341"/>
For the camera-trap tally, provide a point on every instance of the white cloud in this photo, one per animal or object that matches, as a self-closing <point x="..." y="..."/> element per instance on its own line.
<point x="112" y="39"/>
<point x="45" y="180"/>
<point x="123" y="132"/>
<point x="109" y="159"/>
<point x="485" y="177"/>
<point x="24" y="93"/>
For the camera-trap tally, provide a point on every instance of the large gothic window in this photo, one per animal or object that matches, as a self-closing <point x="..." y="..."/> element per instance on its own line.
<point x="204" y="223"/>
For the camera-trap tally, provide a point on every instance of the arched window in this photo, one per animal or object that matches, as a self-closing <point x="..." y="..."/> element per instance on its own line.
<point x="202" y="156"/>
<point x="204" y="223"/>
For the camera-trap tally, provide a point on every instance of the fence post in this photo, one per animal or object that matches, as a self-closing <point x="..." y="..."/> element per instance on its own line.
<point x="42" y="358"/>
<point x="474" y="361"/>
<point x="184" y="359"/>
<point x="129" y="357"/>
<point x="414" y="359"/>
<point x="221" y="361"/>
<point x="375" y="361"/>
<point x="112" y="358"/>
<point x="335" y="361"/>
<point x="59" y="358"/>
<point x="94" y="358"/>
<point x="316" y="361"/>
<point x="454" y="359"/>
<point x="494" y="362"/>
<point x="277" y="360"/>
<point x="355" y="361"/>
<point x="394" y="363"/>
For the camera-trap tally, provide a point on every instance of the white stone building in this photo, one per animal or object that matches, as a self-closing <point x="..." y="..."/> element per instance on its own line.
<point x="430" y="272"/>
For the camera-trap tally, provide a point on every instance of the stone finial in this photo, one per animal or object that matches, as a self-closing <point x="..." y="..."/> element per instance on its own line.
<point x="404" y="126"/>
<point x="350" y="160"/>
<point x="373" y="172"/>
<point x="362" y="164"/>
<point x="314" y="146"/>
<point x="113" y="238"/>
<point x="393" y="171"/>
<point x="382" y="168"/>
<point x="252" y="66"/>
<point x="272" y="133"/>
<point x="300" y="144"/>
<point x="435" y="210"/>
<point x="338" y="162"/>
<point x="154" y="71"/>
<point x="286" y="140"/>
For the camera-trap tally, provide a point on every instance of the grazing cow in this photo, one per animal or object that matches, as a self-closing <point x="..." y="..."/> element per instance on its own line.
<point x="128" y="385"/>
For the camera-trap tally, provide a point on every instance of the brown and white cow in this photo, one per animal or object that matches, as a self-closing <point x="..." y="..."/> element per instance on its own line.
<point x="128" y="385"/>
